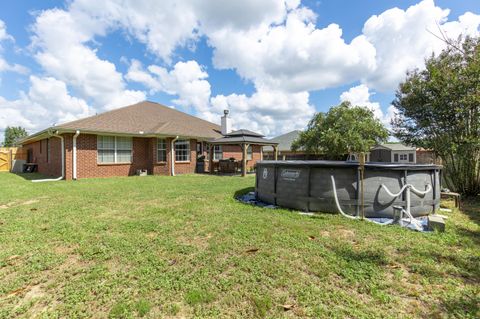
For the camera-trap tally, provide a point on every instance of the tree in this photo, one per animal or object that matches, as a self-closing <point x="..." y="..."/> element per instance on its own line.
<point x="13" y="134"/>
<point x="439" y="108"/>
<point x="344" y="129"/>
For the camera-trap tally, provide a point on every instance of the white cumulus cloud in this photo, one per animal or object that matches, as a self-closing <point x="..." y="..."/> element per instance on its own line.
<point x="360" y="96"/>
<point x="275" y="45"/>
<point x="187" y="80"/>
<point x="403" y="39"/>
<point x="47" y="102"/>
<point x="63" y="53"/>
<point x="4" y="65"/>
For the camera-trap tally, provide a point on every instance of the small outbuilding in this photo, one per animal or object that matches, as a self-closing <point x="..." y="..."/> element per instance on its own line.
<point x="393" y="153"/>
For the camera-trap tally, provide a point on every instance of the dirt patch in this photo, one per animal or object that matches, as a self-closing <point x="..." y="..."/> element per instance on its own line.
<point x="200" y="242"/>
<point x="324" y="233"/>
<point x="151" y="235"/>
<point x="345" y="233"/>
<point x="24" y="203"/>
<point x="37" y="295"/>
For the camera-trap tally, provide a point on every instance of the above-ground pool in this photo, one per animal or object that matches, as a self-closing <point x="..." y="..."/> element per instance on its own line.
<point x="313" y="186"/>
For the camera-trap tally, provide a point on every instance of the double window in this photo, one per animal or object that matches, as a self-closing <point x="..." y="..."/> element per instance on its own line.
<point x="403" y="157"/>
<point x="114" y="149"/>
<point x="182" y="151"/>
<point x="161" y="150"/>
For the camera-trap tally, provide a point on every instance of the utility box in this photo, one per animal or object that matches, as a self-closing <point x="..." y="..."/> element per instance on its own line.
<point x="436" y="223"/>
<point x="142" y="172"/>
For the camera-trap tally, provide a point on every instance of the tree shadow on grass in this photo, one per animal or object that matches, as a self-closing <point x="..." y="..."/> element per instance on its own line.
<point x="466" y="305"/>
<point x="471" y="208"/>
<point x="32" y="176"/>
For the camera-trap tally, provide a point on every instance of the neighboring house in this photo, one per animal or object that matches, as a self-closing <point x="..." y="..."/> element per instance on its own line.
<point x="392" y="153"/>
<point x="285" y="152"/>
<point x="144" y="136"/>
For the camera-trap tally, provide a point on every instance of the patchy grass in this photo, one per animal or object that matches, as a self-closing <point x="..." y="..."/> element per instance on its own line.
<point x="183" y="247"/>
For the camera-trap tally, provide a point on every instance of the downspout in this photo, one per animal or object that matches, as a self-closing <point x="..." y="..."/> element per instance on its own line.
<point x="74" y="156"/>
<point x="63" y="162"/>
<point x="172" y="155"/>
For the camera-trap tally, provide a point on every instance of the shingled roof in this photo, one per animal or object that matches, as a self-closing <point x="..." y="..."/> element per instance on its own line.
<point x="144" y="118"/>
<point x="286" y="140"/>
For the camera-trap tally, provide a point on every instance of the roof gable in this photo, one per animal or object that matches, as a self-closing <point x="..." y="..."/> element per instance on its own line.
<point x="285" y="141"/>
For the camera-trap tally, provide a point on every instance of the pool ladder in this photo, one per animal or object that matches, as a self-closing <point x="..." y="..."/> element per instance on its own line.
<point x="407" y="188"/>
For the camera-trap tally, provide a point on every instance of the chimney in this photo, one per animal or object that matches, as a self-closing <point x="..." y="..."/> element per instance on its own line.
<point x="226" y="125"/>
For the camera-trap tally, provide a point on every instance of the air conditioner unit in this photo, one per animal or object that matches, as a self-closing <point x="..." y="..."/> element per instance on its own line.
<point x="142" y="172"/>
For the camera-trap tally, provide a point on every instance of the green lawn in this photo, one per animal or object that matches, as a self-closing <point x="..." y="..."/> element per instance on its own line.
<point x="183" y="247"/>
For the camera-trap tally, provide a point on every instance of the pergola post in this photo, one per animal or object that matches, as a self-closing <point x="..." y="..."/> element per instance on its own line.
<point x="275" y="153"/>
<point x="211" y="151"/>
<point x="244" y="159"/>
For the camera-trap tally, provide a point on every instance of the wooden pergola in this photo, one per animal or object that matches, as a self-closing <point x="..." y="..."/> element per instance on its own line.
<point x="245" y="139"/>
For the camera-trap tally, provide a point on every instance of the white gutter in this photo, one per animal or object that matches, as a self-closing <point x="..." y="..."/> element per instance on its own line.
<point x="172" y="155"/>
<point x="74" y="169"/>
<point x="63" y="162"/>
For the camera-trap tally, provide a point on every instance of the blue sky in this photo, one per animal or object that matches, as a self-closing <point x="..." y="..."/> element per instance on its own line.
<point x="273" y="63"/>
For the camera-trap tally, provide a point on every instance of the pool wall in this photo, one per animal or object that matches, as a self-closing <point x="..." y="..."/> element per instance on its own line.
<point x="307" y="186"/>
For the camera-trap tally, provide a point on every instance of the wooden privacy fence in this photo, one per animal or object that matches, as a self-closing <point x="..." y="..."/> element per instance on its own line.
<point x="10" y="154"/>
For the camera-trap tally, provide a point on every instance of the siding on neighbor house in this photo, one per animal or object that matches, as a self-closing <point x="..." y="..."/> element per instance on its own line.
<point x="380" y="155"/>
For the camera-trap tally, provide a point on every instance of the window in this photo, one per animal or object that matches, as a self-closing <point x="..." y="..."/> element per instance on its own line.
<point x="403" y="157"/>
<point x="410" y="157"/>
<point x="124" y="149"/>
<point x="249" y="153"/>
<point x="182" y="150"/>
<point x="114" y="149"/>
<point x="395" y="157"/>
<point x="199" y="148"/>
<point x="218" y="152"/>
<point x="161" y="150"/>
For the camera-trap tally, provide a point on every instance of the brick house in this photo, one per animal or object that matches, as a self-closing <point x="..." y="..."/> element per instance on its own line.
<point x="144" y="136"/>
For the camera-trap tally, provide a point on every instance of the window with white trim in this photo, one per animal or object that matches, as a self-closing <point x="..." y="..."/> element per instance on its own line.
<point x="182" y="151"/>
<point x="161" y="150"/>
<point x="217" y="152"/>
<point x="114" y="149"/>
<point x="403" y="157"/>
<point x="249" y="153"/>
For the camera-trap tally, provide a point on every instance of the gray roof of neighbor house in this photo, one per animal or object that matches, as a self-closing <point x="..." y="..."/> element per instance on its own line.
<point x="285" y="141"/>
<point x="143" y="119"/>
<point x="395" y="147"/>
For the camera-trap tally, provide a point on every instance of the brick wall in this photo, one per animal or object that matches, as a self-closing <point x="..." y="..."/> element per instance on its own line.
<point x="144" y="153"/>
<point x="159" y="168"/>
<point x="235" y="151"/>
<point x="87" y="165"/>
<point x="51" y="166"/>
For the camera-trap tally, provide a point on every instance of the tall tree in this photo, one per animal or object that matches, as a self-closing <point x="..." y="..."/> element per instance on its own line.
<point x="439" y="108"/>
<point x="13" y="134"/>
<point x="344" y="129"/>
